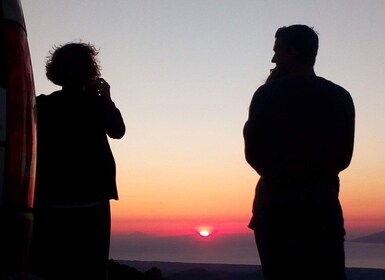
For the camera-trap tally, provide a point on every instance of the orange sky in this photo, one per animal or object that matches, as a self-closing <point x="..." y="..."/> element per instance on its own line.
<point x="162" y="197"/>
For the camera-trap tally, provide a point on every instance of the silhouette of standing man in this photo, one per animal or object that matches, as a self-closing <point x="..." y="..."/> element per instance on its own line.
<point x="298" y="137"/>
<point x="75" y="177"/>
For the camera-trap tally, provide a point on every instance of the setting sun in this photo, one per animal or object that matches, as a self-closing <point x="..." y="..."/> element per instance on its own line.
<point x="204" y="233"/>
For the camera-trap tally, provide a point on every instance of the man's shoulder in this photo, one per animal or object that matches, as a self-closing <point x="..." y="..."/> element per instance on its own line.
<point x="332" y="88"/>
<point x="295" y="85"/>
<point x="312" y="83"/>
<point x="271" y="86"/>
<point x="329" y="83"/>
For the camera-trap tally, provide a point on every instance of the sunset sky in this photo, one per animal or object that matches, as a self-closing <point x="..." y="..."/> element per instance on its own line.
<point x="183" y="72"/>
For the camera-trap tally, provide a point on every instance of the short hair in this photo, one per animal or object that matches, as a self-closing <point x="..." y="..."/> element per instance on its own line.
<point x="72" y="64"/>
<point x="302" y="39"/>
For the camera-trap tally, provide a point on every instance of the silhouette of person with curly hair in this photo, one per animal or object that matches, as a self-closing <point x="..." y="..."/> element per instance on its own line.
<point x="76" y="171"/>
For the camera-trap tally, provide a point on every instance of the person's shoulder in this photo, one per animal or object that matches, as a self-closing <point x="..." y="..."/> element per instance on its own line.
<point x="50" y="95"/>
<point x="271" y="90"/>
<point x="270" y="86"/>
<point x="263" y="92"/>
<point x="332" y="87"/>
<point x="48" y="98"/>
<point x="335" y="91"/>
<point x="330" y="84"/>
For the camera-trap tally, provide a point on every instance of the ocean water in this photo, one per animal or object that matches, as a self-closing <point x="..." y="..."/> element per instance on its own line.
<point x="370" y="255"/>
<point x="230" y="249"/>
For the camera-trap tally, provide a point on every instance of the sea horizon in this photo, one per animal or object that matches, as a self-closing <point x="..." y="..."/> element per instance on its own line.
<point x="236" y="249"/>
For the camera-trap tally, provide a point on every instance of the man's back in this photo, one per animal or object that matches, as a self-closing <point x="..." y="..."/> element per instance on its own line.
<point x="300" y="122"/>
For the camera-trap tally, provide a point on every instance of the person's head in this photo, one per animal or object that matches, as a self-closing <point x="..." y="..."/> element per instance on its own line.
<point x="72" y="64"/>
<point x="295" y="46"/>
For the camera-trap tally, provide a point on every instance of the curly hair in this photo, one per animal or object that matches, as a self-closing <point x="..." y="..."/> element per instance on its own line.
<point x="72" y="64"/>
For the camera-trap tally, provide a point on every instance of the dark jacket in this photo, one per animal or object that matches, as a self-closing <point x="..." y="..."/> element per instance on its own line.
<point x="298" y="137"/>
<point x="300" y="125"/>
<point x="75" y="164"/>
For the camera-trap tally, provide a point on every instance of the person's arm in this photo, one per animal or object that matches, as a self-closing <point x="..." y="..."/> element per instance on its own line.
<point x="347" y="132"/>
<point x="115" y="127"/>
<point x="254" y="133"/>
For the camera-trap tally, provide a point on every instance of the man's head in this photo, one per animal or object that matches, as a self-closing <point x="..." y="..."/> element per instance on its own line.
<point x="295" y="47"/>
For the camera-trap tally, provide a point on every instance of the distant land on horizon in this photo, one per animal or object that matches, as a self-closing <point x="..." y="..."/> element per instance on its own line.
<point x="241" y="238"/>
<point x="377" y="237"/>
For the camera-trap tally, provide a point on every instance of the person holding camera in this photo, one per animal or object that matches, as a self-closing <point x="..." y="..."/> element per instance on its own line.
<point x="76" y="172"/>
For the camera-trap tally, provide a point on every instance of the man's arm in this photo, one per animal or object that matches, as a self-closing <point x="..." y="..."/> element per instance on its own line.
<point x="254" y="133"/>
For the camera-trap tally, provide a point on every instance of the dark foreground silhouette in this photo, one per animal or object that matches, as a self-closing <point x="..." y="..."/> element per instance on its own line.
<point x="118" y="271"/>
<point x="75" y="168"/>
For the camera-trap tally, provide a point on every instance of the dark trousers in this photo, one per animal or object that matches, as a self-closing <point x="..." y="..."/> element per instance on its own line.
<point x="72" y="243"/>
<point x="301" y="242"/>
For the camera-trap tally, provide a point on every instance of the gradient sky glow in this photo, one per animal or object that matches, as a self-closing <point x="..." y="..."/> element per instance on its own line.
<point x="183" y="73"/>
